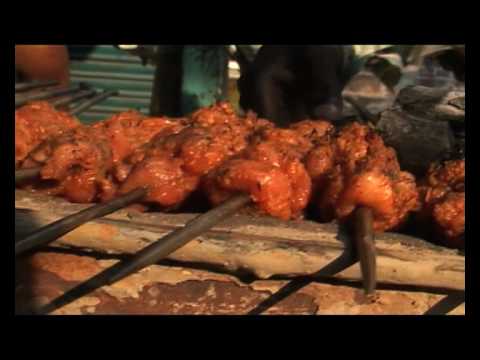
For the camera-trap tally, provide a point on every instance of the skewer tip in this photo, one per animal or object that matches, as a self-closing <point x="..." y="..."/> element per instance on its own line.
<point x="363" y="235"/>
<point x="26" y="174"/>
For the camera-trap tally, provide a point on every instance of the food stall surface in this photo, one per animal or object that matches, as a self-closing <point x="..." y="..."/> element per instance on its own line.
<point x="175" y="290"/>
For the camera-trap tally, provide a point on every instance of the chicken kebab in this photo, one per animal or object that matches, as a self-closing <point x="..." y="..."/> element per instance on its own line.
<point x="280" y="169"/>
<point x="113" y="162"/>
<point x="442" y="192"/>
<point x="271" y="170"/>
<point x="284" y="169"/>
<point x="77" y="163"/>
<point x="357" y="169"/>
<point x="35" y="123"/>
<point x="274" y="155"/>
<point x="171" y="157"/>
<point x="171" y="166"/>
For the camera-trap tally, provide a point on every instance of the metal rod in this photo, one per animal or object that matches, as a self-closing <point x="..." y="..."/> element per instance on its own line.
<point x="23" y="99"/>
<point x="72" y="98"/>
<point x="180" y="237"/>
<point x="34" y="84"/>
<point x="152" y="253"/>
<point x="90" y="102"/>
<point x="63" y="226"/>
<point x="26" y="174"/>
<point x="365" y="246"/>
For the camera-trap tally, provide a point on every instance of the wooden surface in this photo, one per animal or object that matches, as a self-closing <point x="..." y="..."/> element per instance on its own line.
<point x="177" y="290"/>
<point x="260" y="246"/>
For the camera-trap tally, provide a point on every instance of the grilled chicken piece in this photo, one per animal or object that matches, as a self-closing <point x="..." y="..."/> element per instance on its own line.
<point x="442" y="193"/>
<point x="355" y="169"/>
<point x="36" y="122"/>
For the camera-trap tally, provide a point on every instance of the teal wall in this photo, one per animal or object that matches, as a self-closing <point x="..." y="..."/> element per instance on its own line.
<point x="205" y="76"/>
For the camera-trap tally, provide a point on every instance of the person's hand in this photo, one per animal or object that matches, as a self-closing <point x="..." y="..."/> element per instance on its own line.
<point x="291" y="83"/>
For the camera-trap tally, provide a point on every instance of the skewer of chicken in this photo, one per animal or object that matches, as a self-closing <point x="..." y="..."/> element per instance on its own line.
<point x="442" y="194"/>
<point x="35" y="123"/>
<point x="165" y="170"/>
<point x="284" y="165"/>
<point x="357" y="179"/>
<point x="252" y="159"/>
<point x="78" y="163"/>
<point x="39" y="120"/>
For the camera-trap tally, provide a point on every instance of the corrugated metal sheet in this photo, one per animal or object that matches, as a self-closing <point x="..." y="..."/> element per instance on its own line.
<point x="105" y="67"/>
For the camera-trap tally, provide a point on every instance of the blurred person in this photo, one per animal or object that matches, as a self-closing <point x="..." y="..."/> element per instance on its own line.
<point x="42" y="62"/>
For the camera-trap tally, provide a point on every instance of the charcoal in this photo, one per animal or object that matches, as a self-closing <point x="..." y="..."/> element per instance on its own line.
<point x="418" y="141"/>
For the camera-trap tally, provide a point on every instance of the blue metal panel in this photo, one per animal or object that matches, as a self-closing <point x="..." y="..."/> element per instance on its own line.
<point x="105" y="67"/>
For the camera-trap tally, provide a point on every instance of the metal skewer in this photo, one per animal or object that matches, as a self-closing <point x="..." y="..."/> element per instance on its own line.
<point x="89" y="103"/>
<point x="34" y="84"/>
<point x="23" y="99"/>
<point x="53" y="231"/>
<point x="152" y="253"/>
<point x="178" y="238"/>
<point x="26" y="174"/>
<point x="74" y="97"/>
<point x="363" y="236"/>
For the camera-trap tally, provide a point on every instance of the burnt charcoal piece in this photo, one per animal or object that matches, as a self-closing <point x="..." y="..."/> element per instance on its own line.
<point x="417" y="140"/>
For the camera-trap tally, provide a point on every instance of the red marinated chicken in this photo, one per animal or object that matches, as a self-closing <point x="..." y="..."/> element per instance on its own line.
<point x="171" y="165"/>
<point x="357" y="169"/>
<point x="281" y="169"/>
<point x="73" y="164"/>
<point x="270" y="170"/>
<point x="443" y="197"/>
<point x="79" y="162"/>
<point x="37" y="122"/>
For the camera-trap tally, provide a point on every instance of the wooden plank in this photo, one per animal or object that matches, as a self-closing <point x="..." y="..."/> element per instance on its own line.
<point x="176" y="290"/>
<point x="261" y="246"/>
